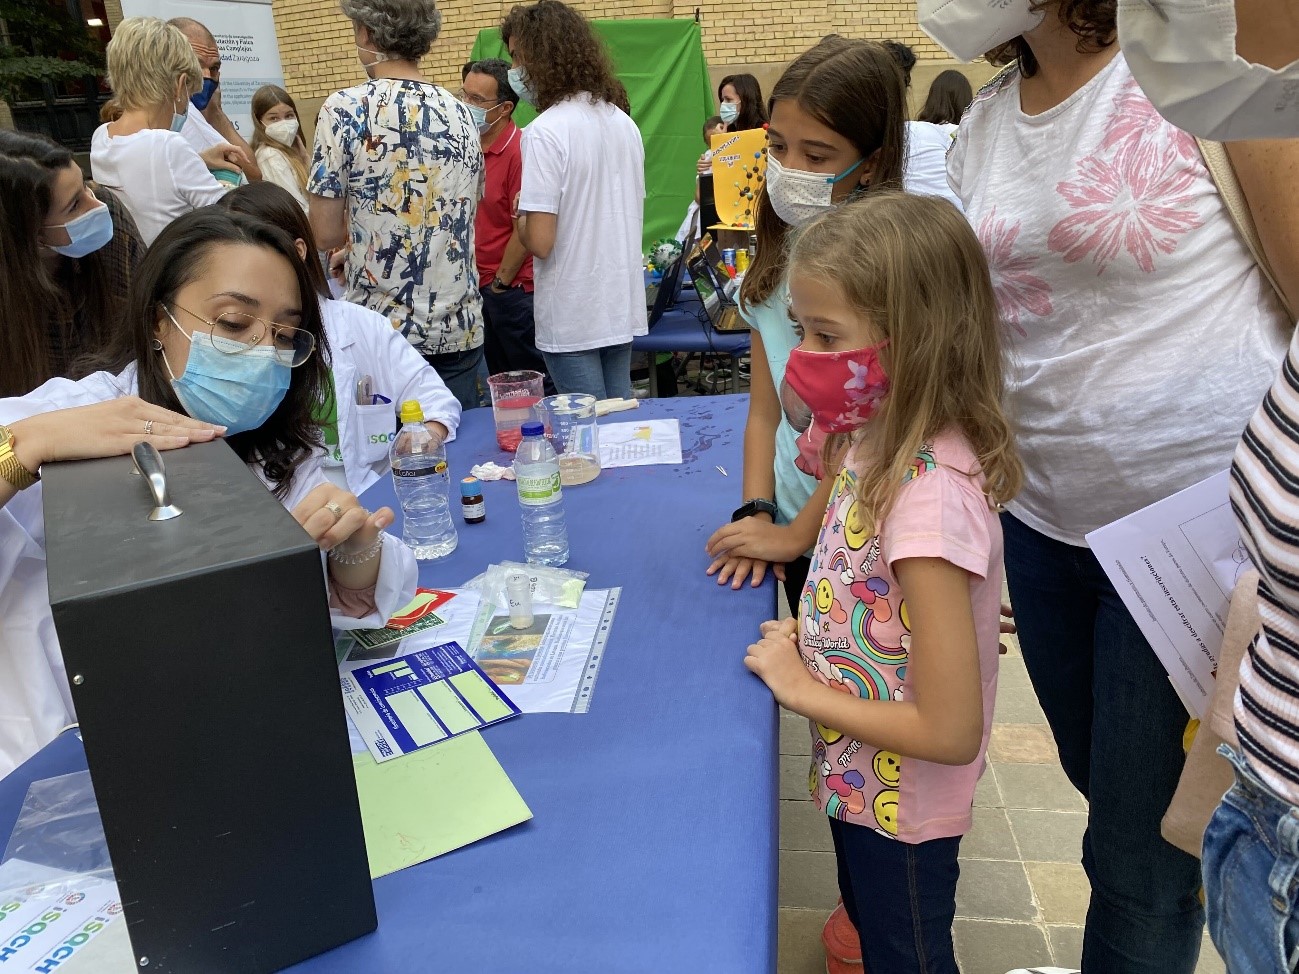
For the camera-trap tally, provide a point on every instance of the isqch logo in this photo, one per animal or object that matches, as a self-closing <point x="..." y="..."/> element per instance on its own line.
<point x="63" y="951"/>
<point x="33" y="929"/>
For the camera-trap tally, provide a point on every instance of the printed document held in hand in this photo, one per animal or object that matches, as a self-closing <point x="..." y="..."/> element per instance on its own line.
<point x="1175" y="564"/>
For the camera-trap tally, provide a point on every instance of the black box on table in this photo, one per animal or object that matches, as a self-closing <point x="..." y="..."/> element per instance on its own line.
<point x="202" y="667"/>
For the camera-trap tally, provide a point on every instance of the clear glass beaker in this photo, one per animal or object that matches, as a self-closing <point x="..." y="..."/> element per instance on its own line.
<point x="515" y="399"/>
<point x="575" y="434"/>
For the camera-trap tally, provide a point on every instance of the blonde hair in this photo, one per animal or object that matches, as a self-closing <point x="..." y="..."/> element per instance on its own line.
<point x="913" y="265"/>
<point x="264" y="99"/>
<point x="145" y="57"/>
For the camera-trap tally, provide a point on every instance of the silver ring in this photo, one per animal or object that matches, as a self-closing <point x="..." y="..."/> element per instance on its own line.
<point x="148" y="427"/>
<point x="334" y="509"/>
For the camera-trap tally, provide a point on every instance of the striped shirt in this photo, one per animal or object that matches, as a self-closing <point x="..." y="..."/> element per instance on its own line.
<point x="1265" y="499"/>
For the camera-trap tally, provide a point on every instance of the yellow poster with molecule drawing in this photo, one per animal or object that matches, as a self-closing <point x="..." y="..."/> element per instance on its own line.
<point x="739" y="167"/>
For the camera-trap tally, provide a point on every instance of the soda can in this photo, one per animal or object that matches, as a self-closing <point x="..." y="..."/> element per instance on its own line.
<point x="741" y="261"/>
<point x="728" y="256"/>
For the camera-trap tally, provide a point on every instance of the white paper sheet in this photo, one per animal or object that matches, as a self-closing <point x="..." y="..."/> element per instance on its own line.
<point x="1175" y="564"/>
<point x="640" y="444"/>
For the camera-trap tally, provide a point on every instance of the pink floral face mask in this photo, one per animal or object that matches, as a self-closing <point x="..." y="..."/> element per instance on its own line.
<point x="836" y="391"/>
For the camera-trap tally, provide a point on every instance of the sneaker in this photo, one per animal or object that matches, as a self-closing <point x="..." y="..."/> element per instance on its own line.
<point x="842" y="945"/>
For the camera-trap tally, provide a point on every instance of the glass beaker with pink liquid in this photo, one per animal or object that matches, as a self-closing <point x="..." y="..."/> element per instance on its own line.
<point x="514" y="402"/>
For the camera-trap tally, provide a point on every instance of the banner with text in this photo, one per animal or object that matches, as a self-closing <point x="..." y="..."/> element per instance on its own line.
<point x="245" y="36"/>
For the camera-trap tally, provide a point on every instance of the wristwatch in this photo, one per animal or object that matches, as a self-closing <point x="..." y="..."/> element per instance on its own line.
<point x="10" y="468"/>
<point x="498" y="285"/>
<point x="759" y="505"/>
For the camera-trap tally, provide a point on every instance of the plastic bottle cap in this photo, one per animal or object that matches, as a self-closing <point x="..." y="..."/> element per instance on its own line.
<point x="530" y="428"/>
<point x="412" y="411"/>
<point x="469" y="487"/>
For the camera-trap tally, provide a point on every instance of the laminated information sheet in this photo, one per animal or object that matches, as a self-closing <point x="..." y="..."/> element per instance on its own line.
<point x="549" y="667"/>
<point x="410" y="702"/>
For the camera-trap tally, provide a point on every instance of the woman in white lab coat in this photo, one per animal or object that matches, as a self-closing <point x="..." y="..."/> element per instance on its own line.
<point x="222" y="337"/>
<point x="363" y="345"/>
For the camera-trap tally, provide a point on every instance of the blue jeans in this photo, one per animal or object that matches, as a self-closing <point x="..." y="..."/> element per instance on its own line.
<point x="1251" y="876"/>
<point x="601" y="372"/>
<point x="900" y="897"/>
<point x="1118" y="725"/>
<point x="459" y="370"/>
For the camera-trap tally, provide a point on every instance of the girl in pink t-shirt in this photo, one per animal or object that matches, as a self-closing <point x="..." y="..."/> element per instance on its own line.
<point x="894" y="655"/>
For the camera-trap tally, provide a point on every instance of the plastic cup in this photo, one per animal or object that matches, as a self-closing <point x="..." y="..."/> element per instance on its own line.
<point x="574" y="432"/>
<point x="515" y="396"/>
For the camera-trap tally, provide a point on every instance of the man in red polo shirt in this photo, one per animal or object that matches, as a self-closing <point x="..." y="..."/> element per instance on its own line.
<point x="504" y="266"/>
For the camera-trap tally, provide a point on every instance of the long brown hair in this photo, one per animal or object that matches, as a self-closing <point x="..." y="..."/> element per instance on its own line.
<point x="174" y="259"/>
<point x="949" y="96"/>
<point x="563" y="55"/>
<point x="32" y="297"/>
<point x="264" y="99"/>
<point x="913" y="266"/>
<point x="1094" y="21"/>
<point x="855" y="89"/>
<point x="753" y="113"/>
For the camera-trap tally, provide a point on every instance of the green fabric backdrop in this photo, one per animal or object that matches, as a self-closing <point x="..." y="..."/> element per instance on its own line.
<point x="661" y="62"/>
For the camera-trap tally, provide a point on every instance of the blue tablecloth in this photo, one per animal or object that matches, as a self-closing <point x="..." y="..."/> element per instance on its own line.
<point x="654" y="842"/>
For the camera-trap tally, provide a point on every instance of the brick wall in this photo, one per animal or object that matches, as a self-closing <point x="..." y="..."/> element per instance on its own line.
<point x="317" y="50"/>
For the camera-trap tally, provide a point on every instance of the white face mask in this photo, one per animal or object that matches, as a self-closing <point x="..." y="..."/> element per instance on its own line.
<point x="379" y="58"/>
<point x="285" y="131"/>
<point x="1183" y="54"/>
<point x="798" y="196"/>
<point x="968" y="29"/>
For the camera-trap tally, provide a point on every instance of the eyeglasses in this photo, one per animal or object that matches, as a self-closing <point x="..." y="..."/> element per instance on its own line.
<point x="477" y="101"/>
<point x="235" y="332"/>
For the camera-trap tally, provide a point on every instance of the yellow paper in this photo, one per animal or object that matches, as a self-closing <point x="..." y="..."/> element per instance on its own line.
<point x="434" y="800"/>
<point x="739" y="169"/>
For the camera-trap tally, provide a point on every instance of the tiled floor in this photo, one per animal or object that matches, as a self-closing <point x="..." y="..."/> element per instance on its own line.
<point x="1022" y="895"/>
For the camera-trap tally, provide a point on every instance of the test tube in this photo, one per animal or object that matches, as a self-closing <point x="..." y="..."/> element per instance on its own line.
<point x="518" y="591"/>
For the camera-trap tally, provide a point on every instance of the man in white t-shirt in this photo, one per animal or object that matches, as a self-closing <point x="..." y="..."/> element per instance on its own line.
<point x="210" y="125"/>
<point x="581" y="208"/>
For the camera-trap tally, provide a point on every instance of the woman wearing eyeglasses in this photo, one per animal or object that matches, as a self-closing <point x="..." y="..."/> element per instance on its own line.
<point x="222" y="338"/>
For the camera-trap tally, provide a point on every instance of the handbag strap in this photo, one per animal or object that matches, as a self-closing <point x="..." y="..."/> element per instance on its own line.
<point x="1233" y="198"/>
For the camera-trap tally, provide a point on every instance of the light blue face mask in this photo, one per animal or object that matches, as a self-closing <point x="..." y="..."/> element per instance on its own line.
<point x="728" y="111"/>
<point x="87" y="233"/>
<point x="235" y="389"/>
<point x="522" y="84"/>
<point x="178" y="119"/>
<point x="479" y="116"/>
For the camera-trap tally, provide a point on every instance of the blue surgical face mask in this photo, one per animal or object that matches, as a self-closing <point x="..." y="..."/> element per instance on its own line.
<point x="728" y="111"/>
<point x="87" y="233"/>
<point x="205" y="94"/>
<point x="522" y="84"/>
<point x="479" y="116"/>
<point x="178" y="119"/>
<point x="235" y="389"/>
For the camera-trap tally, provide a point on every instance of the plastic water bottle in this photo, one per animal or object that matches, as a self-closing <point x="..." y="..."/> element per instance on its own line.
<point x="423" y="486"/>
<point x="536" y="471"/>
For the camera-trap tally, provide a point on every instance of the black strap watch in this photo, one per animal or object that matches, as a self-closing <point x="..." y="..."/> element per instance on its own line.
<point x="759" y="505"/>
